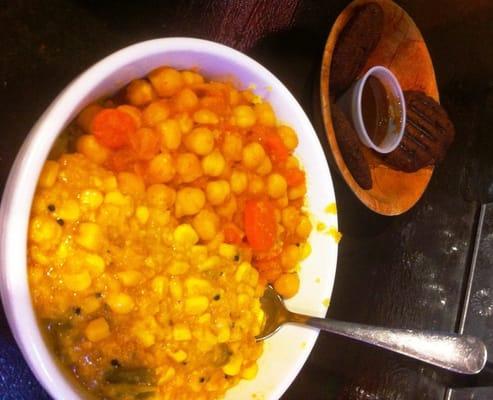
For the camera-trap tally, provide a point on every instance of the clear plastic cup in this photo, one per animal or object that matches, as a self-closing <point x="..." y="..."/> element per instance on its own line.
<point x="351" y="103"/>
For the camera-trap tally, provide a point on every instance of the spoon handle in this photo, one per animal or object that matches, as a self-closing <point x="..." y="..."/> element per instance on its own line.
<point x="459" y="353"/>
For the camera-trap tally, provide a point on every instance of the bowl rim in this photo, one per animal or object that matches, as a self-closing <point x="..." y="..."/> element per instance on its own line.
<point x="21" y="183"/>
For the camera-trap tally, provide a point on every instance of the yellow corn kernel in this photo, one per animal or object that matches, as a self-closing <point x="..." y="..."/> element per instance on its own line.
<point x="77" y="282"/>
<point x="304" y="227"/>
<point x="133" y="112"/>
<point x="92" y="149"/>
<point x="204" y="319"/>
<point x="206" y="223"/>
<point x="253" y="154"/>
<point x="192" y="78"/>
<point x="49" y="174"/>
<point x="242" y="271"/>
<point x="265" y="114"/>
<point x="250" y="372"/>
<point x="116" y="198"/>
<point x="256" y="185"/>
<point x="140" y="92"/>
<point x="185" y="122"/>
<point x="198" y="253"/>
<point x="130" y="183"/>
<point x="38" y="256"/>
<point x="160" y="196"/>
<point x="196" y="305"/>
<point x="186" y="99"/>
<point x="176" y="289"/>
<point x="110" y="183"/>
<point x="238" y="181"/>
<point x="265" y="167"/>
<point x="86" y="116"/>
<point x="161" y="169"/>
<point x="243" y="300"/>
<point x="189" y="201"/>
<point x="167" y="376"/>
<point x="90" y="304"/>
<point x="178" y="267"/>
<point x="209" y="264"/>
<point x="228" y="251"/>
<point x="200" y="141"/>
<point x="188" y="167"/>
<point x="170" y="134"/>
<point x="185" y="235"/>
<point x="181" y="332"/>
<point x="179" y="356"/>
<point x="155" y="112"/>
<point x="205" y="117"/>
<point x="297" y="192"/>
<point x="44" y="229"/>
<point x="244" y="116"/>
<point x="120" y="303"/>
<point x="306" y="250"/>
<point x="146" y="338"/>
<point x="276" y="185"/>
<point x="69" y="210"/>
<point x="233" y="366"/>
<point x="213" y="164"/>
<point x="96" y="330"/>
<point x="166" y="81"/>
<point x="94" y="263"/>
<point x="288" y="136"/>
<point x="253" y="278"/>
<point x="196" y="286"/>
<point x="91" y="198"/>
<point x="142" y="214"/>
<point x="160" y="285"/>
<point x="217" y="191"/>
<point x="129" y="278"/>
<point x="232" y="147"/>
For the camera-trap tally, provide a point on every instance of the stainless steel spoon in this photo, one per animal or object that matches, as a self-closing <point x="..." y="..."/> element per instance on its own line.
<point x="459" y="353"/>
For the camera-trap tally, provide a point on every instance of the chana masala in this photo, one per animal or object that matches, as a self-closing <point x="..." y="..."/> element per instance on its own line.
<point x="158" y="220"/>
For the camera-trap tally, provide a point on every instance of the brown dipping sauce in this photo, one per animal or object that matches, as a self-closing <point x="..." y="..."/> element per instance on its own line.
<point x="375" y="108"/>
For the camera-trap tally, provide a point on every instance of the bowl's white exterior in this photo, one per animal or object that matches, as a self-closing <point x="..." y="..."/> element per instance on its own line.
<point x="286" y="352"/>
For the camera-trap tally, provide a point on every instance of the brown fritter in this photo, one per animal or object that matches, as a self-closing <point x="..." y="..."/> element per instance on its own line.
<point x="351" y="148"/>
<point x="355" y="43"/>
<point x="427" y="136"/>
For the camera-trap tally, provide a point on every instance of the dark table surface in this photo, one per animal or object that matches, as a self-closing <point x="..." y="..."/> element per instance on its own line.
<point x="411" y="271"/>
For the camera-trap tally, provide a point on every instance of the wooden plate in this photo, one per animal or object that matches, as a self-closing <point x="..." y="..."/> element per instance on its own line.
<point x="402" y="50"/>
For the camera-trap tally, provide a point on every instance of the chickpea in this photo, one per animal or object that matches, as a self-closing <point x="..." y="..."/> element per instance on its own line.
<point x="232" y="146"/>
<point x="290" y="257"/>
<point x="200" y="141"/>
<point x="206" y="224"/>
<point x="217" y="192"/>
<point x="288" y="136"/>
<point x="133" y="112"/>
<point x="160" y="196"/>
<point x="160" y="169"/>
<point x="170" y="134"/>
<point x="304" y="228"/>
<point x="166" y="81"/>
<point x="140" y="92"/>
<point x="276" y="185"/>
<point x="188" y="167"/>
<point x="205" y="117"/>
<point x="287" y="285"/>
<point x="185" y="122"/>
<point x="155" y="112"/>
<point x="86" y="116"/>
<point x="130" y="183"/>
<point x="189" y="201"/>
<point x="265" y="114"/>
<point x="256" y="185"/>
<point x="92" y="149"/>
<point x="192" y="78"/>
<point x="228" y="208"/>
<point x="265" y="167"/>
<point x="238" y="182"/>
<point x="213" y="164"/>
<point x="244" y="116"/>
<point x="253" y="155"/>
<point x="297" y="192"/>
<point x="290" y="217"/>
<point x="186" y="99"/>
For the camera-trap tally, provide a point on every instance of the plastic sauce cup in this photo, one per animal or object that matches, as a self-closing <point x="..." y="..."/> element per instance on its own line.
<point x="351" y="102"/>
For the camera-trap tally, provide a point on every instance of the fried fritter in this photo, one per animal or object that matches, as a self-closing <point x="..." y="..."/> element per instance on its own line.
<point x="351" y="148"/>
<point x="427" y="137"/>
<point x="354" y="45"/>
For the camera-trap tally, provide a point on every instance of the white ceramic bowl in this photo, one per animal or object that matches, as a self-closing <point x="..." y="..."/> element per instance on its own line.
<point x="286" y="352"/>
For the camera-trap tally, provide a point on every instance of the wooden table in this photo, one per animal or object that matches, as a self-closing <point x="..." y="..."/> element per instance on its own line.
<point x="408" y="271"/>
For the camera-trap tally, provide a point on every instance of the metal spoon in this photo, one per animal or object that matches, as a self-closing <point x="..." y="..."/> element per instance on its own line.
<point x="459" y="353"/>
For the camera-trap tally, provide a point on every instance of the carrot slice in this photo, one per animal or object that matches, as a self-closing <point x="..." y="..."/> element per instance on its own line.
<point x="294" y="177"/>
<point x="112" y="128"/>
<point x="260" y="224"/>
<point x="275" y="147"/>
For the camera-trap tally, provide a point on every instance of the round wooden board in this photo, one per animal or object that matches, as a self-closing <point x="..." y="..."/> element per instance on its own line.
<point x="401" y="49"/>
